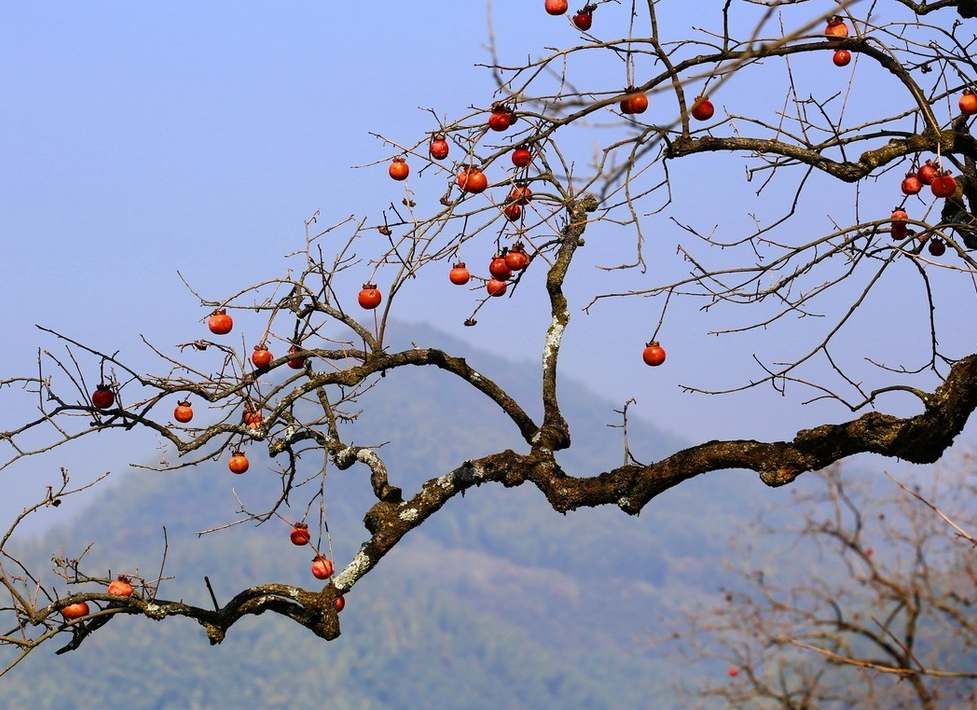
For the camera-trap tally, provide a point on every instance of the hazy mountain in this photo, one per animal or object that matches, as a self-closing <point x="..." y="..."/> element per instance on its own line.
<point x="496" y="602"/>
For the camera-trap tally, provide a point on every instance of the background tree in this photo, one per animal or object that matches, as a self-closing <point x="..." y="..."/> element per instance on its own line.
<point x="870" y="607"/>
<point x="512" y="185"/>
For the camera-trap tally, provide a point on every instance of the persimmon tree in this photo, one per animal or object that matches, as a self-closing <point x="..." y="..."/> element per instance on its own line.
<point x="510" y="189"/>
<point x="870" y="607"/>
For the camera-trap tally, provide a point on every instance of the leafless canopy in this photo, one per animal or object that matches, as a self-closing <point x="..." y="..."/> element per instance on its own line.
<point x="540" y="206"/>
<point x="870" y="608"/>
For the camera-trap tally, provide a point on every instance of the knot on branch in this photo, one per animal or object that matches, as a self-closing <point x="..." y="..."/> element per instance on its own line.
<point x="154" y="611"/>
<point x="779" y="475"/>
<point x="588" y="203"/>
<point x="553" y="436"/>
<point x="292" y="436"/>
<point x="380" y="516"/>
<point x="323" y="620"/>
<point x="215" y="634"/>
<point x="390" y="494"/>
<point x="578" y="210"/>
<point x="345" y="458"/>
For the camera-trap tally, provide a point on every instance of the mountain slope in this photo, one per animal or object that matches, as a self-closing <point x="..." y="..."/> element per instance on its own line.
<point x="496" y="600"/>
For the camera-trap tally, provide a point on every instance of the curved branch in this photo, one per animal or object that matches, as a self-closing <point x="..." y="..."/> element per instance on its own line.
<point x="946" y="142"/>
<point x="965" y="8"/>
<point x="315" y="611"/>
<point x="918" y="439"/>
<point x="555" y="433"/>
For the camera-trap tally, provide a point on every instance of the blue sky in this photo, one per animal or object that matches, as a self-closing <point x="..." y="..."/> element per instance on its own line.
<point x="146" y="139"/>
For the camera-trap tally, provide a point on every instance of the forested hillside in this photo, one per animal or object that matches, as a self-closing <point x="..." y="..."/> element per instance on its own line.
<point x="497" y="601"/>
